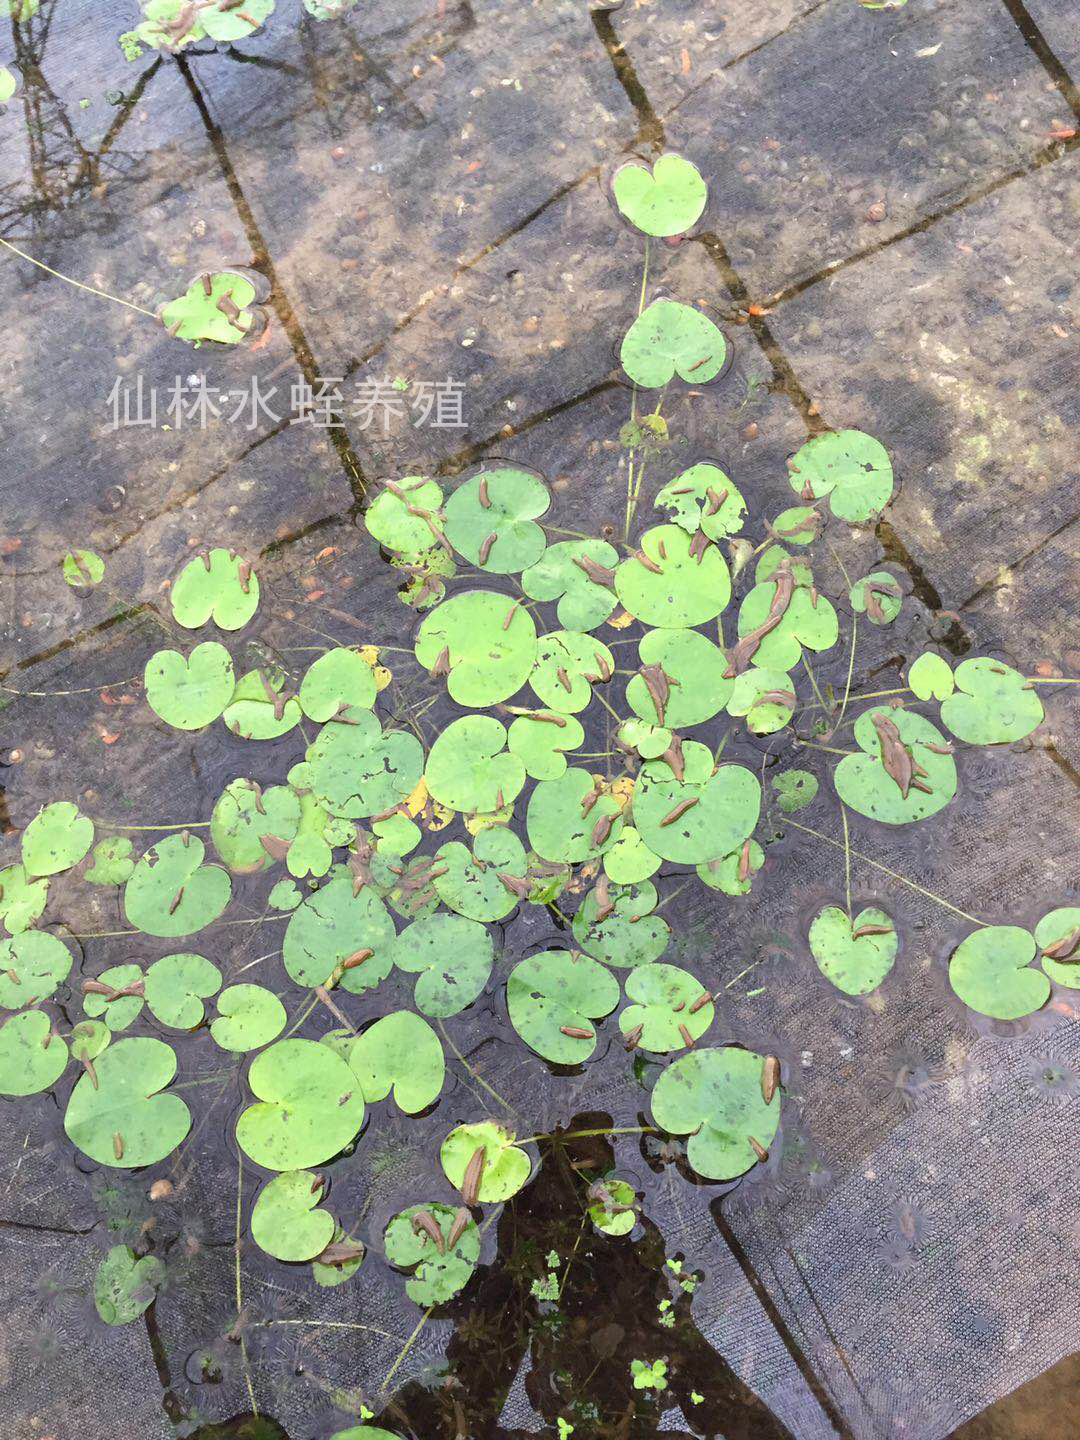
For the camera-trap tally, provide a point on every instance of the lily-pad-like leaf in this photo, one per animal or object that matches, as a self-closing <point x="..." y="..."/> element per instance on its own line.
<point x="565" y="825"/>
<point x="23" y="900"/>
<point x="112" y="865"/>
<point x="407" y="516"/>
<point x="213" y="307"/>
<point x="629" y="861"/>
<point x="854" y="955"/>
<point x="506" y="1167"/>
<point x="673" y="586"/>
<point x="697" y="819"/>
<point x="877" y="596"/>
<point x="991" y="971"/>
<point x="703" y="498"/>
<point x="169" y="25"/>
<point x="650" y="741"/>
<point x="339" y="682"/>
<point x="1058" y="937"/>
<point x="171" y="892"/>
<point x="243" y="814"/>
<point x="573" y="572"/>
<point x="248" y="1017"/>
<point x="261" y="707"/>
<point x="665" y="1005"/>
<point x="992" y="704"/>
<point x="715" y="1097"/>
<point x="615" y="924"/>
<point x="453" y="958"/>
<point x="357" y="770"/>
<point x="613" y="1208"/>
<point x="125" y="1287"/>
<point x="83" y="567"/>
<point x="540" y="739"/>
<point x="795" y="789"/>
<point x="8" y="84"/>
<point x="176" y="987"/>
<point x="217" y="585"/>
<point x="808" y="620"/>
<point x="669" y="339"/>
<point x="568" y="664"/>
<point x="329" y="1272"/>
<point x="286" y="1221"/>
<point x="468" y="768"/>
<point x="554" y="992"/>
<point x="400" y="1051"/>
<point x="190" y="693"/>
<point x="483" y="641"/>
<point x="491" y="519"/>
<point x="863" y="782"/>
<point x="123" y="1010"/>
<point x="57" y="838"/>
<point x="765" y="696"/>
<point x="225" y="21"/>
<point x="30" y="1061"/>
<point x="775" y="556"/>
<point x="309" y="1106"/>
<point x="734" y="873"/>
<point x="32" y="965"/>
<point x="284" y="896"/>
<point x="89" y="1038"/>
<point x="931" y="677"/>
<point x="692" y="687"/>
<point x="667" y="201"/>
<point x="471" y="884"/>
<point x="334" y="926"/>
<point x="851" y="468"/>
<point x="437" y="1275"/>
<point x="125" y="1121"/>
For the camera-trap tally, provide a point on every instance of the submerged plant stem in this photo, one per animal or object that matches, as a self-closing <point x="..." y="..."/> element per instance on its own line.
<point x="847" y="858"/>
<point x="102" y="294"/>
<point x="405" y="1350"/>
<point x="239" y="1288"/>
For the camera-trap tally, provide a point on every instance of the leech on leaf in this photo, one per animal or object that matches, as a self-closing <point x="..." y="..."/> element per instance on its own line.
<point x="649" y="564"/>
<point x="577" y="1032"/>
<point x="176" y="901"/>
<point x="633" y="1037"/>
<point x="118" y="1145"/>
<point x="744" y="862"/>
<point x="88" y="1066"/>
<point x="207" y="284"/>
<point x="770" y="1078"/>
<point x="459" y="1226"/>
<point x="759" y="1150"/>
<point x="204" y="556"/>
<point x="442" y="663"/>
<point x="564" y="679"/>
<point x="597" y="573"/>
<point x="356" y="958"/>
<point x="601" y="830"/>
<point x="705" y="998"/>
<point x="485" y="548"/>
<point x="687" y="1038"/>
<point x="426" y="1222"/>
<point x="1062" y="950"/>
<point x="510" y="614"/>
<point x="274" y="846"/>
<point x="871" y="930"/>
<point x="716" y="499"/>
<point x="515" y="884"/>
<point x="680" y="810"/>
<point x="474" y="1174"/>
<point x="482" y="493"/>
<point x="244" y="576"/>
<point x="559" y="720"/>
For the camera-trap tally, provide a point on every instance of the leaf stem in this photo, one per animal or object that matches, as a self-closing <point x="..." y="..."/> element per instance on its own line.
<point x="239" y="1292"/>
<point x="405" y="1349"/>
<point x="103" y="294"/>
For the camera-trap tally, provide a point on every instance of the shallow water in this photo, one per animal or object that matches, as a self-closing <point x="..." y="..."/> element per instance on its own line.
<point x="422" y="185"/>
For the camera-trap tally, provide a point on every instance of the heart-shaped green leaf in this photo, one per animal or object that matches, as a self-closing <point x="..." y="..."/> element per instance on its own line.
<point x="340" y="682"/>
<point x="665" y="1005"/>
<point x="506" y="1167"/>
<point x="468" y="769"/>
<point x="931" y="677"/>
<point x="261" y="707"/>
<point x="217" y="585"/>
<point x="794" y="790"/>
<point x="565" y="824"/>
<point x="453" y="958"/>
<point x="243" y="814"/>
<point x="334" y="925"/>
<point x="695" y="820"/>
<point x="692" y="687"/>
<point x="225" y="21"/>
<point x="356" y="773"/>
<point x="83" y="567"/>
<point x="402" y="1052"/>
<point x="126" y="1287"/>
<point x="199" y="314"/>
<point x="851" y="468"/>
<point x="23" y="900"/>
<point x="568" y="664"/>
<point x="629" y="860"/>
<point x="666" y="201"/>
<point x="483" y="641"/>
<point x="715" y="1097"/>
<point x="854" y="955"/>
<point x="113" y="864"/>
<point x="703" y="498"/>
<point x="123" y="1010"/>
<point x="57" y="838"/>
<point x="992" y="703"/>
<point x="991" y="972"/>
<point x="176" y="987"/>
<point x="863" y="782"/>
<point x="31" y="1057"/>
<point x="765" y="696"/>
<point x="309" y="1106"/>
<point x="540" y="737"/>
<point x="171" y="892"/>
<point x="123" y="1121"/>
<point x="614" y="924"/>
<point x="32" y="965"/>
<point x="733" y="874"/>
<point x="190" y="693"/>
<point x="573" y="572"/>
<point x="878" y="596"/>
<point x="248" y="1017"/>
<point x="809" y="620"/>
<point x="407" y="518"/>
<point x="613" y="1210"/>
<point x="673" y="586"/>
<point x="1058" y="936"/>
<point x="554" y="992"/>
<point x="89" y="1038"/>
<point x="286" y="1221"/>
<point x="437" y="1275"/>
<point x="491" y="520"/>
<point x="669" y="339"/>
<point x="471" y="884"/>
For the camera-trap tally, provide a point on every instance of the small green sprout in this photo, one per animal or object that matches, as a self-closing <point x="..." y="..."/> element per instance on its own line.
<point x="649" y="1377"/>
